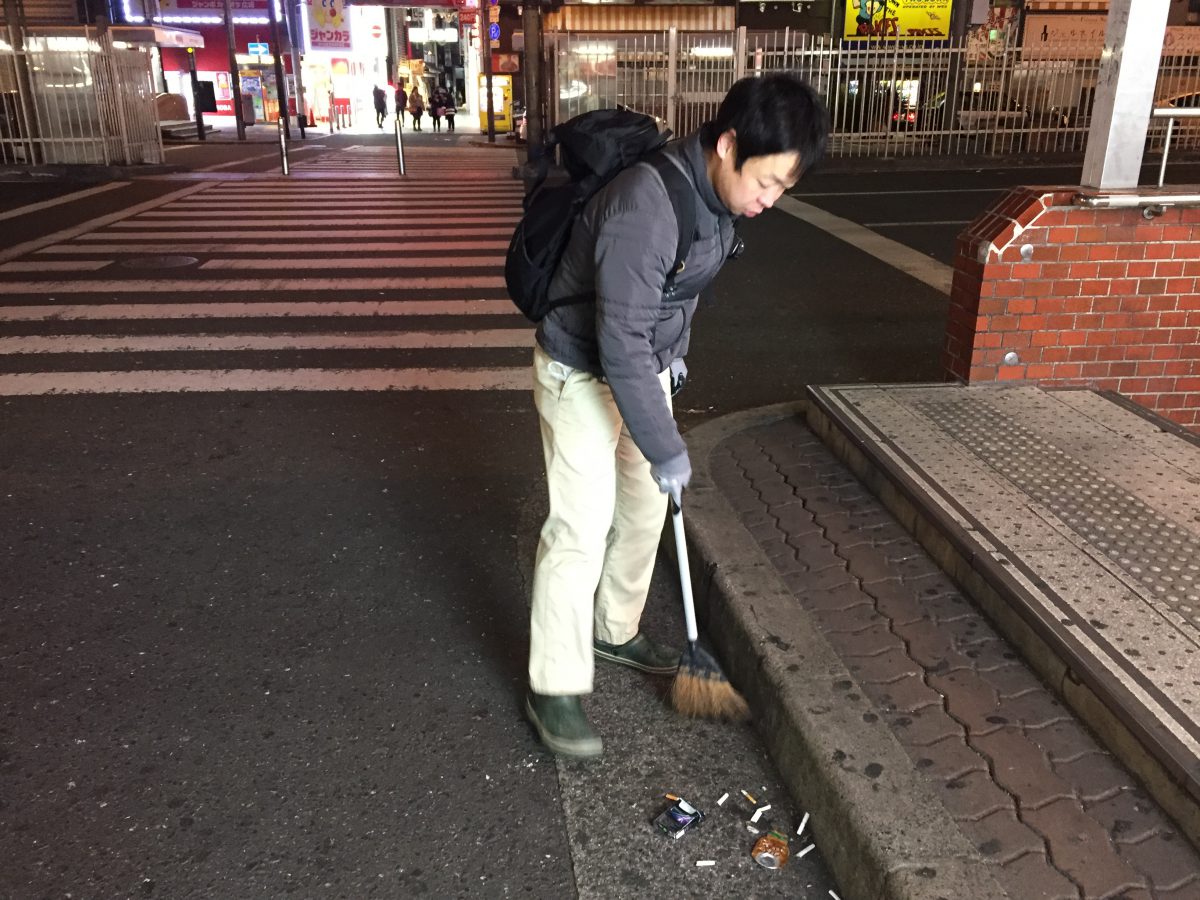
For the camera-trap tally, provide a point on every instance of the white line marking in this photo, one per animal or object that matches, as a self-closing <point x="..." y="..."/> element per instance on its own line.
<point x="908" y="224"/>
<point x="345" y="211"/>
<point x="250" y="159"/>
<point x="292" y="246"/>
<point x="201" y="380"/>
<point x="92" y="224"/>
<point x="267" y="237"/>
<point x="289" y="285"/>
<point x="341" y="199"/>
<point x="66" y="198"/>
<point x="180" y="343"/>
<point x="328" y="190"/>
<point x="361" y="262"/>
<point x="102" y="312"/>
<point x="887" y="193"/>
<point x="933" y="273"/>
<point x="245" y="221"/>
<point x="53" y="265"/>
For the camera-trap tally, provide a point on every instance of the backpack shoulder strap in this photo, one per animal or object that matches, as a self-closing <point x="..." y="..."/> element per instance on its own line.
<point x="682" y="194"/>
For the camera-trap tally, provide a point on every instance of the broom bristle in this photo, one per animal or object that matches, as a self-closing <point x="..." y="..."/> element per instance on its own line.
<point x="702" y="691"/>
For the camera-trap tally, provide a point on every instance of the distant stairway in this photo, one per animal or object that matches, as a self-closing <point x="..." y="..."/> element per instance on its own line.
<point x="181" y="130"/>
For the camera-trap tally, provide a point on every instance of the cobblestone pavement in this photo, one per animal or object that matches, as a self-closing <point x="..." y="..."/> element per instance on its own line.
<point x="1055" y="813"/>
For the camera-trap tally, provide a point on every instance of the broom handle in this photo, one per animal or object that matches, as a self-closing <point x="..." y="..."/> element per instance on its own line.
<point x="685" y="572"/>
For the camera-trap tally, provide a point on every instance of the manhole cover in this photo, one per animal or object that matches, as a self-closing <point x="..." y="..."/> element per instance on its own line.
<point x="159" y="262"/>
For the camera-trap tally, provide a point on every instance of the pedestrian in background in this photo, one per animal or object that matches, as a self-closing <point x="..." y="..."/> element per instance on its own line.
<point x="437" y="107"/>
<point x="450" y="112"/>
<point x="380" y="104"/>
<point x="401" y="102"/>
<point x="416" y="107"/>
<point x="605" y="371"/>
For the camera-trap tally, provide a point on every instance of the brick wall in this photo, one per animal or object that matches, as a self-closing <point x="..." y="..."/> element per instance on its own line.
<point x="1086" y="298"/>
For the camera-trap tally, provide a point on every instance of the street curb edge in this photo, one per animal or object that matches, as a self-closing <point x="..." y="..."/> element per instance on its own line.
<point x="886" y="837"/>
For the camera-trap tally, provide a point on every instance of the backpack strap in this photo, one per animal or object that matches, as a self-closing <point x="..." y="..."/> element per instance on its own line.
<point x="682" y="195"/>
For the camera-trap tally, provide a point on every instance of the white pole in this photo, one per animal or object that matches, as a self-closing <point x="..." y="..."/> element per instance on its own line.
<point x="1124" y="93"/>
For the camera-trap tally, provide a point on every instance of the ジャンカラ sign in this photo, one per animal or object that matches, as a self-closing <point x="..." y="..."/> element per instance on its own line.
<point x="327" y="25"/>
<point x="891" y="20"/>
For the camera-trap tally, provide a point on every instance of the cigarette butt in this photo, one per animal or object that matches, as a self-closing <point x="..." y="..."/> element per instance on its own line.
<point x="757" y="814"/>
<point x="671" y="797"/>
<point x="763" y="809"/>
<point x="803" y="822"/>
<point x="752" y="829"/>
<point x="805" y="850"/>
<point x="724" y="797"/>
<point x="749" y="797"/>
<point x="834" y="896"/>
<point x="706" y="862"/>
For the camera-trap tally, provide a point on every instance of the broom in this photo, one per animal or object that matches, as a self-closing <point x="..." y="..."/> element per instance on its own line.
<point x="700" y="689"/>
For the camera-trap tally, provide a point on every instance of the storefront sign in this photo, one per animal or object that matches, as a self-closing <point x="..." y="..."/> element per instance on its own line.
<point x="169" y="7"/>
<point x="1082" y="37"/>
<point x="327" y="25"/>
<point x="890" y="20"/>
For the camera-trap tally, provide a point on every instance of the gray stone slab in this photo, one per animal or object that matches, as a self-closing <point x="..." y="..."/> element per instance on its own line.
<point x="1086" y="509"/>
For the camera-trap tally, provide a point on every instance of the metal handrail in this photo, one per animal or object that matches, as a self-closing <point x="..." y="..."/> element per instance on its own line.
<point x="1152" y="205"/>
<point x="1170" y="114"/>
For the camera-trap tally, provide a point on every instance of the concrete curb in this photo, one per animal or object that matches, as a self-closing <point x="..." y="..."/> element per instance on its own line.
<point x="883" y="831"/>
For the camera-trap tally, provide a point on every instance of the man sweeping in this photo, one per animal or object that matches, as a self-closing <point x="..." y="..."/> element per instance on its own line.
<point x="604" y="374"/>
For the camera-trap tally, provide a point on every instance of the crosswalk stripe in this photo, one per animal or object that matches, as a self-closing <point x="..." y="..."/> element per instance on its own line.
<point x="294" y="246"/>
<point x="392" y="263"/>
<point x="267" y="238"/>
<point x="214" y="380"/>
<point x="55" y="265"/>
<point x="357" y="219"/>
<point x="176" y="343"/>
<point x="367" y="253"/>
<point x="265" y="310"/>
<point x="289" y="285"/>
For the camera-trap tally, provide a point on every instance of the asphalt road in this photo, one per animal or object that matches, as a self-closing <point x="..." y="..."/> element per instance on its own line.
<point x="258" y="643"/>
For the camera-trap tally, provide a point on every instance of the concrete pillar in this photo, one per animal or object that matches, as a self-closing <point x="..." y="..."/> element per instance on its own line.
<point x="1124" y="93"/>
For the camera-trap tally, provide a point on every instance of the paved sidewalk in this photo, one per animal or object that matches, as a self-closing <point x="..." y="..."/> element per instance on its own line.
<point x="935" y="762"/>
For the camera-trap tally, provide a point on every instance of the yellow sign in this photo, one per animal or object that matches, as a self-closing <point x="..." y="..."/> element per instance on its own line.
<point x="892" y="20"/>
<point x="501" y="102"/>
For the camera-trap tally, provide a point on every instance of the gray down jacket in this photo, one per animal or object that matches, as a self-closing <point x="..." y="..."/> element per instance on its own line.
<point x="622" y="248"/>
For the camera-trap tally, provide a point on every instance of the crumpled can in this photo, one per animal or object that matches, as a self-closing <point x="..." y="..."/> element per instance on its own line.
<point x="771" y="850"/>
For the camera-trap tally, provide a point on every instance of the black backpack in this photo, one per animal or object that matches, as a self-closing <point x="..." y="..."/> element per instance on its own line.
<point x="596" y="146"/>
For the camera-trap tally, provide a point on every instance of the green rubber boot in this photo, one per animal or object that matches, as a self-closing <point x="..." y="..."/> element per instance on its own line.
<point x="640" y="653"/>
<point x="563" y="726"/>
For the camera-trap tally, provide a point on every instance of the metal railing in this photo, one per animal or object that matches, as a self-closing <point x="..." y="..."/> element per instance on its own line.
<point x="1171" y="115"/>
<point x="936" y="98"/>
<point x="77" y="100"/>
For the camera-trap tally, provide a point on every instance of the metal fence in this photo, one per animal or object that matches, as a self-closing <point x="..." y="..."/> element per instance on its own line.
<point x="970" y="96"/>
<point x="77" y="99"/>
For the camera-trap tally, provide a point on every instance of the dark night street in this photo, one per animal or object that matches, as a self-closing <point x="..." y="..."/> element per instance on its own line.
<point x="272" y="485"/>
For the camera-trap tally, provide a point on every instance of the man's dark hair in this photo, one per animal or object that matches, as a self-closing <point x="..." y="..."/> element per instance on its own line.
<point x="778" y="113"/>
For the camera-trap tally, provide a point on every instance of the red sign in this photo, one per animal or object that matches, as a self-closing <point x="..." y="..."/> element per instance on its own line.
<point x="468" y="16"/>
<point x="376" y="32"/>
<point x="506" y="62"/>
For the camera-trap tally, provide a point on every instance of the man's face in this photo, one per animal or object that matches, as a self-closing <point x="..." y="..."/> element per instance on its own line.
<point x="758" y="184"/>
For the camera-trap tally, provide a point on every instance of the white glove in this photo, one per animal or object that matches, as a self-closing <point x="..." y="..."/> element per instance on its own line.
<point x="673" y="476"/>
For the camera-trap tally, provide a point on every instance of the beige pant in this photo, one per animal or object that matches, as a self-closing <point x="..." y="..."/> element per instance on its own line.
<point x="597" y="548"/>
